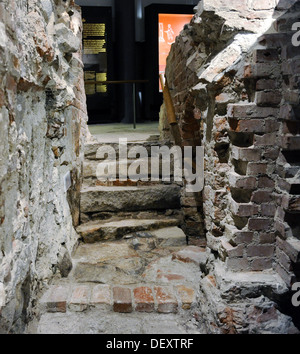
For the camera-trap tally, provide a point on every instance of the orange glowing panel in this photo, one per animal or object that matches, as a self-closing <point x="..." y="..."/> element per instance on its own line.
<point x="169" y="27"/>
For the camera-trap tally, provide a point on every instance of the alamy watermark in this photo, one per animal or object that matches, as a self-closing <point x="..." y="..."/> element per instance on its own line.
<point x="296" y="36"/>
<point x="296" y="296"/>
<point x="135" y="164"/>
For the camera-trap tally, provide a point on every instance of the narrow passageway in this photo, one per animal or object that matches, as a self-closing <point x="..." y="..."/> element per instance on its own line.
<point x="149" y="182"/>
<point x="133" y="271"/>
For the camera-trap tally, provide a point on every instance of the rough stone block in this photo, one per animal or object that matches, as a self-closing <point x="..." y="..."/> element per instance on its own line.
<point x="191" y="254"/>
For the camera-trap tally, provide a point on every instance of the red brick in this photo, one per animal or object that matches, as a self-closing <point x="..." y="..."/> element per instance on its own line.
<point x="271" y="125"/>
<point x="284" y="260"/>
<point x="243" y="210"/>
<point x="237" y="181"/>
<point x="237" y="264"/>
<point x="80" y="298"/>
<point x="260" y="251"/>
<point x="122" y="301"/>
<point x="56" y="298"/>
<point x="254" y="168"/>
<point x="259" y="224"/>
<point x="243" y="237"/>
<point x="187" y="296"/>
<point x="232" y="251"/>
<point x="265" y="182"/>
<point x="268" y="139"/>
<point x="251" y="126"/>
<point x="262" y="70"/>
<point x="144" y="300"/>
<point x="267" y="238"/>
<point x="245" y="154"/>
<point x="268" y="210"/>
<point x="271" y="153"/>
<point x="271" y="98"/>
<point x="261" y="197"/>
<point x="259" y="264"/>
<point x="291" y="142"/>
<point x="101" y="295"/>
<point x="266" y="84"/>
<point x="291" y="247"/>
<point x="166" y="301"/>
<point x="251" y="111"/>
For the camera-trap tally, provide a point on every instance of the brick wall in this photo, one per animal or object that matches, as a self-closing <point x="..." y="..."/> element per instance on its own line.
<point x="236" y="92"/>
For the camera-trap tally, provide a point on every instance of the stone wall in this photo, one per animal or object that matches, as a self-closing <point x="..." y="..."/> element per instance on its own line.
<point x="233" y="74"/>
<point x="42" y="128"/>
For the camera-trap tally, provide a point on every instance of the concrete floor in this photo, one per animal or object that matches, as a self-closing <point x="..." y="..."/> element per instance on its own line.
<point x="109" y="133"/>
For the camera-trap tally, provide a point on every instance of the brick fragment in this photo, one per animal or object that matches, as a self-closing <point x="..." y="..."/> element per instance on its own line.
<point x="122" y="301"/>
<point x="260" y="264"/>
<point x="187" y="296"/>
<point x="261" y="197"/>
<point x="166" y="301"/>
<point x="56" y="298"/>
<point x="80" y="298"/>
<point x="260" y="251"/>
<point x="144" y="300"/>
<point x="259" y="224"/>
<point x="101" y="295"/>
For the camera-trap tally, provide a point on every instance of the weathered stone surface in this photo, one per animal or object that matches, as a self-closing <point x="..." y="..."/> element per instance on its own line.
<point x="130" y="198"/>
<point x="39" y="146"/>
<point x="170" y="236"/>
<point x="193" y="254"/>
<point x="98" y="230"/>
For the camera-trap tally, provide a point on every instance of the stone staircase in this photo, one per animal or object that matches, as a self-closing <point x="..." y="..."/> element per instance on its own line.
<point x="132" y="259"/>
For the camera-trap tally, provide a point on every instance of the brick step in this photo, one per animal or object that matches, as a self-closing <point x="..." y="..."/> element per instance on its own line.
<point x="100" y="199"/>
<point x="139" y="298"/>
<point x="94" y="231"/>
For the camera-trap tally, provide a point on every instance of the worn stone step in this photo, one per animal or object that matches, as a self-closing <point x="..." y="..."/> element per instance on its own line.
<point x="94" y="231"/>
<point x="120" y="168"/>
<point x="99" y="199"/>
<point x="92" y="151"/>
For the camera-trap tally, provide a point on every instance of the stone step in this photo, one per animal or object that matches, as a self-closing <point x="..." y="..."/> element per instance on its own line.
<point x="119" y="169"/>
<point x="138" y="259"/>
<point x="99" y="199"/>
<point x="123" y="299"/>
<point x="94" y="231"/>
<point x="93" y="151"/>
